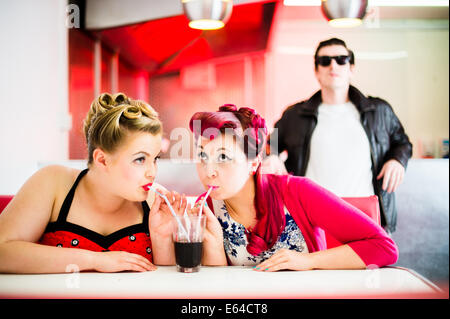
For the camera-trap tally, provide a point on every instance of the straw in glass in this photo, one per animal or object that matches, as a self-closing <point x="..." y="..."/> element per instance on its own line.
<point x="201" y="210"/>
<point x="204" y="200"/>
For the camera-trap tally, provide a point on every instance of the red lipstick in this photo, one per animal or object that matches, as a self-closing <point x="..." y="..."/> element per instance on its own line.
<point x="147" y="186"/>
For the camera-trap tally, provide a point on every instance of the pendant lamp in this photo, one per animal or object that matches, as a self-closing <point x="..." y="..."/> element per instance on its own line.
<point x="344" y="13"/>
<point x="207" y="14"/>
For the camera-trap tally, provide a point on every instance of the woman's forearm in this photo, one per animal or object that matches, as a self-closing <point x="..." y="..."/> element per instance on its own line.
<point x="27" y="257"/>
<point x="214" y="254"/>
<point x="341" y="257"/>
<point x="163" y="251"/>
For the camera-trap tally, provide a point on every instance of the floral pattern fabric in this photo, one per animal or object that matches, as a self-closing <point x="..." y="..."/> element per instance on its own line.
<point x="235" y="239"/>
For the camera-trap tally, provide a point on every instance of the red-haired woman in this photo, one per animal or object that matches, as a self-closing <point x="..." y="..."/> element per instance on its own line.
<point x="274" y="222"/>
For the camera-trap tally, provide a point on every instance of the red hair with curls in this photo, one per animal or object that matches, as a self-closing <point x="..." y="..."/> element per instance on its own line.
<point x="250" y="128"/>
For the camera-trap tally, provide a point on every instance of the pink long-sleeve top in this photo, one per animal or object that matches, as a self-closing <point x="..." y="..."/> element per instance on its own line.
<point x="315" y="210"/>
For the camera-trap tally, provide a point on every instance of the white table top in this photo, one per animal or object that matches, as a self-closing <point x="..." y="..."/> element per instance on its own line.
<point x="222" y="282"/>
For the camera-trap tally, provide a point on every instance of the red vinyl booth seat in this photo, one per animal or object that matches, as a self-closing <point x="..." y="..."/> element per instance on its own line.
<point x="368" y="205"/>
<point x="4" y="201"/>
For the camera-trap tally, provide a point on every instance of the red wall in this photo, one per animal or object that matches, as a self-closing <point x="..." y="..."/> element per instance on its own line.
<point x="130" y="81"/>
<point x="237" y="80"/>
<point x="81" y="88"/>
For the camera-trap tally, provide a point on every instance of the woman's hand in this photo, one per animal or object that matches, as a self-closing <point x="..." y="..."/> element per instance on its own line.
<point x="160" y="223"/>
<point x="115" y="261"/>
<point x="161" y="218"/>
<point x="286" y="259"/>
<point x="213" y="230"/>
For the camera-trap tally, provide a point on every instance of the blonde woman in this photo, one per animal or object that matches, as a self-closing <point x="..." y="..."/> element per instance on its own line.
<point x="97" y="219"/>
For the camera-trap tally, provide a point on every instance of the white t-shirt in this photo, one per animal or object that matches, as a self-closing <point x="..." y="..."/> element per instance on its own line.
<point x="340" y="152"/>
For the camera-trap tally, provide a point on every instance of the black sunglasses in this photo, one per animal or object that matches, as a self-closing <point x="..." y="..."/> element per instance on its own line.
<point x="325" y="60"/>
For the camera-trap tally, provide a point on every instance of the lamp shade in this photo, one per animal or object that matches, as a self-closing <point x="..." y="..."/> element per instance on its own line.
<point x="207" y="14"/>
<point x="344" y="13"/>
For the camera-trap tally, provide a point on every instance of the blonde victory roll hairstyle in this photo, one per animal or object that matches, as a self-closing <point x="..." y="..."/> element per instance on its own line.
<point x="112" y="117"/>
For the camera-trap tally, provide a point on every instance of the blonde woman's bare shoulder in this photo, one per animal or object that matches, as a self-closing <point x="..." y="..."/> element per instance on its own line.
<point x="48" y="186"/>
<point x="54" y="179"/>
<point x="57" y="175"/>
<point x="33" y="205"/>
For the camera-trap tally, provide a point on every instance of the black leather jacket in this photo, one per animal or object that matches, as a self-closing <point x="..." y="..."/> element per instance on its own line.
<point x="386" y="136"/>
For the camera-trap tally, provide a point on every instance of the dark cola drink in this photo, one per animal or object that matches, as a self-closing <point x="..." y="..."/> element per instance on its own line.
<point x="188" y="256"/>
<point x="188" y="236"/>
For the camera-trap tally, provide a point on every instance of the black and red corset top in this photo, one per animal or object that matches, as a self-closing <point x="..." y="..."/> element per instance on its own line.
<point x="61" y="233"/>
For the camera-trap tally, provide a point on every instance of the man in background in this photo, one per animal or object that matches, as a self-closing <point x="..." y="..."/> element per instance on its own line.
<point x="346" y="142"/>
